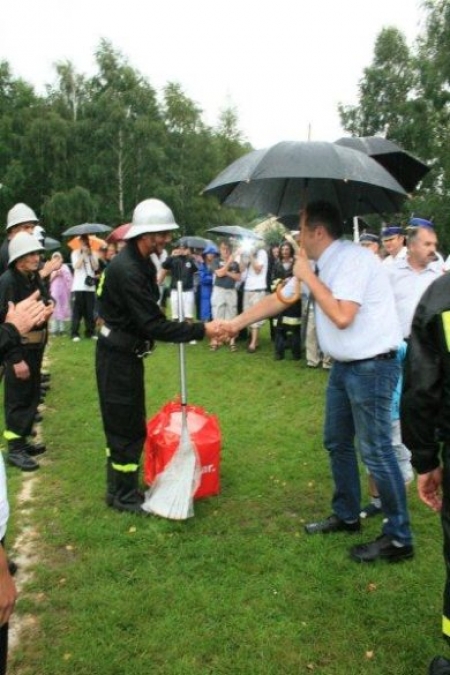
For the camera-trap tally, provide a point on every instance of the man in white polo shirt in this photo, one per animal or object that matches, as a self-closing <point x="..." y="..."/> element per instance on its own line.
<point x="411" y="276"/>
<point x="358" y="326"/>
<point x="393" y="240"/>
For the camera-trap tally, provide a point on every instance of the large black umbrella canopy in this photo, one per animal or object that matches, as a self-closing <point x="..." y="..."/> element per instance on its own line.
<point x="234" y="231"/>
<point x="282" y="179"/>
<point x="406" y="169"/>
<point x="192" y="241"/>
<point x="86" y="228"/>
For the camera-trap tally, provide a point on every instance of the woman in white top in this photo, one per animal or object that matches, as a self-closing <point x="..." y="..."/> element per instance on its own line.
<point x="85" y="265"/>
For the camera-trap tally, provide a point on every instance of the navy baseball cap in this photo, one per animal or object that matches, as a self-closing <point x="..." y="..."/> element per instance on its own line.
<point x="391" y="231"/>
<point x="421" y="222"/>
<point x="369" y="238"/>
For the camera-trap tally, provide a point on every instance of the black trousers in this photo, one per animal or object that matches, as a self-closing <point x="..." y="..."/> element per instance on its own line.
<point x="288" y="335"/>
<point x="445" y="519"/>
<point x="22" y="396"/>
<point x="83" y="308"/>
<point x="120" y="383"/>
<point x="3" y="643"/>
<point x="3" y="648"/>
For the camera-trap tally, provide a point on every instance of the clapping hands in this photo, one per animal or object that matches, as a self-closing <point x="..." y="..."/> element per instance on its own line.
<point x="28" y="313"/>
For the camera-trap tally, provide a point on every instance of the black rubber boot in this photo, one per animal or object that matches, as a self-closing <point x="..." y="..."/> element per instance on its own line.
<point x="110" y="483"/>
<point x="18" y="456"/>
<point x="127" y="496"/>
<point x="439" y="666"/>
<point x="35" y="449"/>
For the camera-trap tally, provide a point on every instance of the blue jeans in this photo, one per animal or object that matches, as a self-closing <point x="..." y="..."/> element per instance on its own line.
<point x="358" y="404"/>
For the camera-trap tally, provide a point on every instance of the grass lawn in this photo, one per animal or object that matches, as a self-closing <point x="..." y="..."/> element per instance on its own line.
<point x="237" y="590"/>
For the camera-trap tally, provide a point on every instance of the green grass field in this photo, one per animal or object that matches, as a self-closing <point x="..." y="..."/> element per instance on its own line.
<point x="237" y="590"/>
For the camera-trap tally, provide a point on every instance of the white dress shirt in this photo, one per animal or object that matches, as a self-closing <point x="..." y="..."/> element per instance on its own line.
<point x="409" y="285"/>
<point x="353" y="273"/>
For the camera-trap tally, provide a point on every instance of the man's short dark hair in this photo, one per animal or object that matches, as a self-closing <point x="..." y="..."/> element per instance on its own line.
<point x="324" y="213"/>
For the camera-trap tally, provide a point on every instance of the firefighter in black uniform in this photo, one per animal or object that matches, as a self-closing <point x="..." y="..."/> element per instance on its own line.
<point x="19" y="319"/>
<point x="20" y="218"/>
<point x="128" y="308"/>
<point x="425" y="419"/>
<point x="23" y="364"/>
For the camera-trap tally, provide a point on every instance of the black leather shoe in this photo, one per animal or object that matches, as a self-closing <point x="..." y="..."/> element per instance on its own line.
<point x="382" y="548"/>
<point x="439" y="666"/>
<point x="332" y="524"/>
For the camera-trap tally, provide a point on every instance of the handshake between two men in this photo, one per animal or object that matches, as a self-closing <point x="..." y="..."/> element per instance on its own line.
<point x="271" y="305"/>
<point x="222" y="331"/>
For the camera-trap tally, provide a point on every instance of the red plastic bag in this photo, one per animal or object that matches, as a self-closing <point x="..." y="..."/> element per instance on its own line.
<point x="163" y="438"/>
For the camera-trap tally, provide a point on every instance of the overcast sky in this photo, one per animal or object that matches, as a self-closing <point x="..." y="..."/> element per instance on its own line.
<point x="283" y="64"/>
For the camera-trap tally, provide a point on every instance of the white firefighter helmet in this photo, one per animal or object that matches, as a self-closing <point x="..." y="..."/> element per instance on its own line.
<point x="39" y="234"/>
<point x="23" y="244"/>
<point x="20" y="213"/>
<point x="151" y="216"/>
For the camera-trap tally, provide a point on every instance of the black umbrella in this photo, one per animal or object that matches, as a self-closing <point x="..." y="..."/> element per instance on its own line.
<point x="86" y="228"/>
<point x="283" y="178"/>
<point x="51" y="244"/>
<point x="406" y="169"/>
<point x="194" y="242"/>
<point x="234" y="231"/>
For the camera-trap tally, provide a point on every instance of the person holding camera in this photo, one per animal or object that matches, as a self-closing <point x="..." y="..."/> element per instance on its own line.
<point x="253" y="263"/>
<point x="85" y="264"/>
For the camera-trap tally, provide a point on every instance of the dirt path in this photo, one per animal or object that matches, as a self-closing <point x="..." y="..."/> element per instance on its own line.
<point x="24" y="553"/>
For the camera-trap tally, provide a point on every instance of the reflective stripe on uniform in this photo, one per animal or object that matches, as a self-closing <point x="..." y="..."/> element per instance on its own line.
<point x="446" y="626"/>
<point x="125" y="468"/>
<point x="108" y="452"/>
<point x="10" y="435"/>
<point x="291" y="321"/>
<point x="99" y="290"/>
<point x="446" y="325"/>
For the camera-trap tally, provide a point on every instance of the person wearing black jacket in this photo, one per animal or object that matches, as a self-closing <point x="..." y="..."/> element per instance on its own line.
<point x="23" y="363"/>
<point x="425" y="419"/>
<point x="288" y="323"/>
<point x="19" y="319"/>
<point x="128" y="308"/>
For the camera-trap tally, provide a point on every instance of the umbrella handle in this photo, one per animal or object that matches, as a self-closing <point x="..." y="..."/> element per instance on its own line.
<point x="181" y="350"/>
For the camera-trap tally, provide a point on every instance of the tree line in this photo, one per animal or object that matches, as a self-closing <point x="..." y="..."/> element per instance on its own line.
<point x="91" y="148"/>
<point x="405" y="95"/>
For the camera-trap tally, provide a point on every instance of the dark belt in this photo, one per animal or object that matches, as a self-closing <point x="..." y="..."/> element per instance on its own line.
<point x="385" y="356"/>
<point x="34" y="337"/>
<point x="127" y="342"/>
